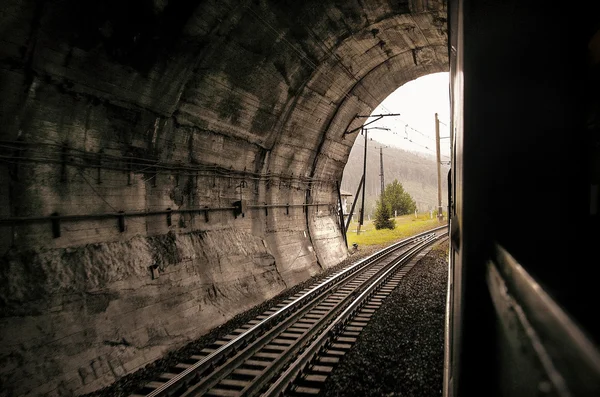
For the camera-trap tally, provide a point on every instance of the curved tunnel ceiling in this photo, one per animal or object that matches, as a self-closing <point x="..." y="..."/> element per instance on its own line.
<point x="142" y="107"/>
<point x="300" y="79"/>
<point x="283" y="77"/>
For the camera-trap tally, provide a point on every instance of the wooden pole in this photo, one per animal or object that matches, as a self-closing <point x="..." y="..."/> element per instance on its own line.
<point x="360" y="184"/>
<point x="362" y="210"/>
<point x="439" y="166"/>
<point x="341" y="213"/>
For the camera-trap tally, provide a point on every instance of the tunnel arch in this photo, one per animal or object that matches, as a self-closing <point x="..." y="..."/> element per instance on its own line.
<point x="382" y="74"/>
<point x="160" y="109"/>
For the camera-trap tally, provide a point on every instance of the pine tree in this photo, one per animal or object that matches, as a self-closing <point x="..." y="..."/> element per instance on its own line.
<point x="399" y="199"/>
<point x="383" y="216"/>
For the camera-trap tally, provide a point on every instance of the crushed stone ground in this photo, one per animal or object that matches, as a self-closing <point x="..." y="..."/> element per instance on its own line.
<point x="401" y="351"/>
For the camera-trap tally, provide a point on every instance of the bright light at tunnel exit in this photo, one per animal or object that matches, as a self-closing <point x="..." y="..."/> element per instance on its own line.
<point x="417" y="102"/>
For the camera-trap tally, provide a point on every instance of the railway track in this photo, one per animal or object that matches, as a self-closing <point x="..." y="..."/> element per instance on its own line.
<point x="292" y="347"/>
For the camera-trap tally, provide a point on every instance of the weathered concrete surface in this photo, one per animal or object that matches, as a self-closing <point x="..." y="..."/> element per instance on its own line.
<point x="96" y="312"/>
<point x="145" y="105"/>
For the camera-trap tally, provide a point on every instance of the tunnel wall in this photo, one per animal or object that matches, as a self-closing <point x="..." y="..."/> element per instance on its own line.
<point x="113" y="111"/>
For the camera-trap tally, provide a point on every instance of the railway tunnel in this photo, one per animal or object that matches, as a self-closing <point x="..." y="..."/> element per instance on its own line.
<point x="167" y="165"/>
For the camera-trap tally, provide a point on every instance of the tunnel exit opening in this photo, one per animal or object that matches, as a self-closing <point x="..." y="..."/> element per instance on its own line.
<point x="396" y="148"/>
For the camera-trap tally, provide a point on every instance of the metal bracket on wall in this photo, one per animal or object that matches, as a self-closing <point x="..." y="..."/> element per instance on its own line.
<point x="129" y="171"/>
<point x="63" y="163"/>
<point x="121" y="221"/>
<point x="99" y="165"/>
<point x="154" y="270"/>
<point x="55" y="225"/>
<point x="14" y="166"/>
<point x="239" y="208"/>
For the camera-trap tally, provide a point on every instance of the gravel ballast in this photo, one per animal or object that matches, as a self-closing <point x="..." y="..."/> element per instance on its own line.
<point x="401" y="350"/>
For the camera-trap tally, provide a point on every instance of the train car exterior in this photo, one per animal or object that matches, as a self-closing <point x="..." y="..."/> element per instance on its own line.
<point x="525" y="104"/>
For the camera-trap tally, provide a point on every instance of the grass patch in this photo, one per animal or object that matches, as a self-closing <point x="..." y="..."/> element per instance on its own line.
<point x="406" y="226"/>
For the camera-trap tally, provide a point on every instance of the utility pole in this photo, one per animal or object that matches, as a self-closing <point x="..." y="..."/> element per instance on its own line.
<point x="362" y="212"/>
<point x="360" y="184"/>
<point x="364" y="131"/>
<point x="451" y="143"/>
<point x="381" y="169"/>
<point x="364" y="180"/>
<point x="342" y="225"/>
<point x="439" y="167"/>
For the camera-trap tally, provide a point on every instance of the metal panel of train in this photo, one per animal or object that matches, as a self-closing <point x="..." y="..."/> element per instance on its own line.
<point x="525" y="231"/>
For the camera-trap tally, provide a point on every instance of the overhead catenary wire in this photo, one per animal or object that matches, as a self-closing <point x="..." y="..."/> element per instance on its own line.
<point x="392" y="157"/>
<point x="425" y="147"/>
<point x="408" y="126"/>
<point x="419" y="132"/>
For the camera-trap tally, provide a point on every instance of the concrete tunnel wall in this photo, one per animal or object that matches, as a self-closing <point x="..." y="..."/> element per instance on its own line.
<point x="144" y="105"/>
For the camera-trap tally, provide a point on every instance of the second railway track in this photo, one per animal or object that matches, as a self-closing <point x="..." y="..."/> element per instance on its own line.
<point x="292" y="347"/>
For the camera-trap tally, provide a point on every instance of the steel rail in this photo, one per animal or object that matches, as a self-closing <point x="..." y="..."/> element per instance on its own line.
<point x="299" y="318"/>
<point x="213" y="379"/>
<point x="317" y="330"/>
<point x="241" y="340"/>
<point x="334" y="328"/>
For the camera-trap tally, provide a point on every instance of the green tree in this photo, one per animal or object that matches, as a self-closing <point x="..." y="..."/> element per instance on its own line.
<point x="383" y="216"/>
<point x="398" y="199"/>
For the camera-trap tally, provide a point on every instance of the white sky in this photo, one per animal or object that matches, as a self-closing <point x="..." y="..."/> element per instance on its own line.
<point x="417" y="102"/>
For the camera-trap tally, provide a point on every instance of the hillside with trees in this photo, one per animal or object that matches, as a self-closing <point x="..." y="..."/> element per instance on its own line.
<point x="415" y="171"/>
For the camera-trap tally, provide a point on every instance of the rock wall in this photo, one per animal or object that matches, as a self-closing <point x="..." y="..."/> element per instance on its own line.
<point x="97" y="311"/>
<point x="129" y="119"/>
